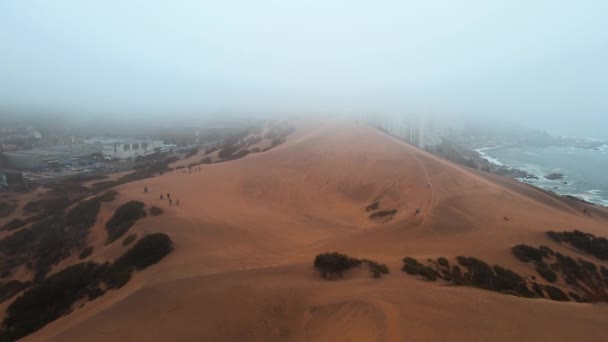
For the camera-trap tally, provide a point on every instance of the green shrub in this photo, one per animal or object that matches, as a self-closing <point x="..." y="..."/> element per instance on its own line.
<point x="333" y="265"/>
<point x="129" y="239"/>
<point x="123" y="219"/>
<point x="443" y="262"/>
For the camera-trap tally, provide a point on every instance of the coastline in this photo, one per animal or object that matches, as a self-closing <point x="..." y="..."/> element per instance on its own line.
<point x="563" y="186"/>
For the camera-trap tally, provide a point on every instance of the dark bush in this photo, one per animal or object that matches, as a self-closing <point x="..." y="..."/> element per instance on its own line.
<point x="374" y="206"/>
<point x="54" y="296"/>
<point x="333" y="265"/>
<point x="377" y="269"/>
<point x="443" y="262"/>
<point x="123" y="219"/>
<point x="11" y="288"/>
<point x="555" y="293"/>
<point x="14" y="224"/>
<point x="544" y="271"/>
<point x="383" y="214"/>
<point x="83" y="215"/>
<point x="206" y="160"/>
<point x="596" y="246"/>
<point x="108" y="196"/>
<point x="147" y="251"/>
<point x="6" y="208"/>
<point x="86" y="253"/>
<point x="155" y="211"/>
<point x="413" y="267"/>
<point x="48" y="300"/>
<point x="129" y="239"/>
<point x="527" y="253"/>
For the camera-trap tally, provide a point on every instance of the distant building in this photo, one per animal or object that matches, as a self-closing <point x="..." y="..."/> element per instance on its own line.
<point x="125" y="148"/>
<point x="414" y="129"/>
<point x="50" y="157"/>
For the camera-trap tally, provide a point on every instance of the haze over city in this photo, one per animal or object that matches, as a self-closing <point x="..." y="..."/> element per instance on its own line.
<point x="536" y="62"/>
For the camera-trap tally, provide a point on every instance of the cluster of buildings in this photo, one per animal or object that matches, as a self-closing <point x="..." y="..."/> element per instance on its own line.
<point x="414" y="129"/>
<point x="81" y="155"/>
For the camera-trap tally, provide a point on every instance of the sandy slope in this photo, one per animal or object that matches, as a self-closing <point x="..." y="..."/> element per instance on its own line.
<point x="246" y="233"/>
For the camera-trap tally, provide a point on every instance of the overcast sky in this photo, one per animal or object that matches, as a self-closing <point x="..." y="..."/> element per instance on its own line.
<point x="545" y="62"/>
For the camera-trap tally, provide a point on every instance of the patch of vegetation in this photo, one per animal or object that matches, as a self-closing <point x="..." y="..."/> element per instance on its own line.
<point x="378" y="270"/>
<point x="374" y="206"/>
<point x="383" y="214"/>
<point x="123" y="219"/>
<point x="588" y="243"/>
<point x="544" y="271"/>
<point x="54" y="296"/>
<point x="11" y="288"/>
<point x="555" y="293"/>
<point x="155" y="211"/>
<point x="108" y="196"/>
<point x="83" y="215"/>
<point x="413" y="267"/>
<point x="206" y="160"/>
<point x="48" y="206"/>
<point x="86" y="253"/>
<point x="49" y="300"/>
<point x="443" y="262"/>
<point x="495" y="278"/>
<point x="6" y="208"/>
<point x="147" y="251"/>
<point x="333" y="265"/>
<point x="129" y="239"/>
<point x="529" y="254"/>
<point x="13" y="224"/>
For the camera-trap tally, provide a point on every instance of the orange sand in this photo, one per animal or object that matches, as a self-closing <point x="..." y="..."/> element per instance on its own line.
<point x="246" y="233"/>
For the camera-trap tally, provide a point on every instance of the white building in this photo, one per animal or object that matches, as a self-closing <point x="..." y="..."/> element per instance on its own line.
<point x="125" y="148"/>
<point x="414" y="129"/>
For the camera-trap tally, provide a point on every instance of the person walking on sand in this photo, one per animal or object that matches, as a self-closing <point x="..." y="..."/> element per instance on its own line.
<point x="177" y="202"/>
<point x="146" y="189"/>
<point x="161" y="197"/>
<point x="170" y="202"/>
<point x="168" y="195"/>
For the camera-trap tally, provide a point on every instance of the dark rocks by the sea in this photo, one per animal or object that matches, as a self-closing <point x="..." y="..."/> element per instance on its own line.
<point x="514" y="173"/>
<point x="555" y="176"/>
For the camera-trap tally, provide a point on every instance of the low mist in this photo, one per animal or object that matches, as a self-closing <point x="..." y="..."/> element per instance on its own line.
<point x="540" y="65"/>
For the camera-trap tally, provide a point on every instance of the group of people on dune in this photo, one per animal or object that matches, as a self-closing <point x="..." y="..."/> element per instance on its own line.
<point x="162" y="197"/>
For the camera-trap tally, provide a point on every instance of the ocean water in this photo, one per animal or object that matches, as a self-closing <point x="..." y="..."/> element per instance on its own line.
<point x="585" y="171"/>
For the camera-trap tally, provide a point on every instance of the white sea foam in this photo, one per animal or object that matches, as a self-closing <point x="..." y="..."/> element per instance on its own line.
<point x="485" y="156"/>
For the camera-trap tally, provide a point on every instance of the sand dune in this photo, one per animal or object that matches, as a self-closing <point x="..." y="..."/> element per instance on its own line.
<point x="246" y="232"/>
